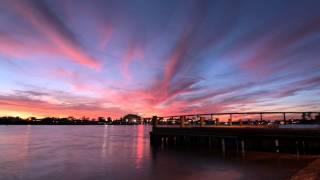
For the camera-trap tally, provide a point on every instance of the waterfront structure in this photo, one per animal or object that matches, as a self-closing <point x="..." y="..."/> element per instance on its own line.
<point x="288" y="137"/>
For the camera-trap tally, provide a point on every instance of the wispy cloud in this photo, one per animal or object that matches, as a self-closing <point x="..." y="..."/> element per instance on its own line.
<point x="160" y="57"/>
<point x="43" y="18"/>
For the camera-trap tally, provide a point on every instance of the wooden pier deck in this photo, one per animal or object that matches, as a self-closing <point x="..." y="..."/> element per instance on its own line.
<point x="239" y="138"/>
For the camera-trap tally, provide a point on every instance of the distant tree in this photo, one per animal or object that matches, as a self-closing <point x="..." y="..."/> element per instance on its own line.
<point x="71" y="118"/>
<point x="84" y="118"/>
<point x="109" y="120"/>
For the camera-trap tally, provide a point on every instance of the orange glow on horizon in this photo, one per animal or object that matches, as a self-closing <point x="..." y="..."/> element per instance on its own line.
<point x="19" y="114"/>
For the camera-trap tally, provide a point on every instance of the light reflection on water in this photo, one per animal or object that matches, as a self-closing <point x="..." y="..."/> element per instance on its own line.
<point x="122" y="152"/>
<point x="140" y="146"/>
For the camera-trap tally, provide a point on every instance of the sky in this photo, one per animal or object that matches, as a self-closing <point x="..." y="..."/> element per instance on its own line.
<point x="158" y="57"/>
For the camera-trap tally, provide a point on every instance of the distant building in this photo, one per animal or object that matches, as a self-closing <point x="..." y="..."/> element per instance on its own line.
<point x="132" y="119"/>
<point x="102" y="121"/>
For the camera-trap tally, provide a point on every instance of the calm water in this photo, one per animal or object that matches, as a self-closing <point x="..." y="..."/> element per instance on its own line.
<point x="123" y="152"/>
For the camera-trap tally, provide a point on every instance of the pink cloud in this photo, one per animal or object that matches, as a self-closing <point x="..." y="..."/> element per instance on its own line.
<point x="18" y="103"/>
<point x="15" y="48"/>
<point x="133" y="52"/>
<point x="274" y="47"/>
<point x="41" y="22"/>
<point x="106" y="36"/>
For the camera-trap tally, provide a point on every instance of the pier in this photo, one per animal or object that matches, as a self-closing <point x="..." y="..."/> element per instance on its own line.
<point x="280" y="132"/>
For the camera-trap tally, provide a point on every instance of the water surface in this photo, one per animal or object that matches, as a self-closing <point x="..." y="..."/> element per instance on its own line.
<point x="123" y="152"/>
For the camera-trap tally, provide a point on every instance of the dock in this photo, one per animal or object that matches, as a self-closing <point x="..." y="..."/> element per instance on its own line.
<point x="238" y="136"/>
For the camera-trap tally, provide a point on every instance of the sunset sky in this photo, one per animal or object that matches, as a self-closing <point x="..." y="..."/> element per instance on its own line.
<point x="109" y="58"/>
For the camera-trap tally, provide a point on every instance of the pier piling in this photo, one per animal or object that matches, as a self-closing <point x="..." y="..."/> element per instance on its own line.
<point x="236" y="135"/>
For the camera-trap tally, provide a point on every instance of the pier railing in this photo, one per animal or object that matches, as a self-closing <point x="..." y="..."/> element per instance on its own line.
<point x="256" y="119"/>
<point x="240" y="135"/>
